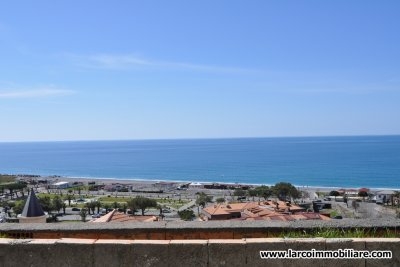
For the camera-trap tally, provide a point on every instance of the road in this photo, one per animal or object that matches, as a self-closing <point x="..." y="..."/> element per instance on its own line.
<point x="364" y="210"/>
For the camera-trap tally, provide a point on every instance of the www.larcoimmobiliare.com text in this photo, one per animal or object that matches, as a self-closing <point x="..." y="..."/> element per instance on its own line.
<point x="326" y="254"/>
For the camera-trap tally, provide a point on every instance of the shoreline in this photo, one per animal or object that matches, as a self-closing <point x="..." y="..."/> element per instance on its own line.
<point x="56" y="178"/>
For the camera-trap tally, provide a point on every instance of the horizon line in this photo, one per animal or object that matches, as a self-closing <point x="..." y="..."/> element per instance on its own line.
<point x="197" y="138"/>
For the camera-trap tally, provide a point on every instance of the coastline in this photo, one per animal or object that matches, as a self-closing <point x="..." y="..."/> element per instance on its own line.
<point x="146" y="182"/>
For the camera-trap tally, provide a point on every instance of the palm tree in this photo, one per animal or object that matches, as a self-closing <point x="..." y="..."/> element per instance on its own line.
<point x="69" y="198"/>
<point x="98" y="205"/>
<point x="124" y="206"/>
<point x="91" y="206"/>
<point x="83" y="214"/>
<point x="203" y="199"/>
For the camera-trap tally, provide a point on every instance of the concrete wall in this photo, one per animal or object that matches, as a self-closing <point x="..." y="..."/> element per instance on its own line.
<point x="40" y="219"/>
<point x="212" y="252"/>
<point x="190" y="230"/>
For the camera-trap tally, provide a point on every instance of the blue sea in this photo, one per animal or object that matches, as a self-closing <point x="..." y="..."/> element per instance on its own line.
<point x="357" y="161"/>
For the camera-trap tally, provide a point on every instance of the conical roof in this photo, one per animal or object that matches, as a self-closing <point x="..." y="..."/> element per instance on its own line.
<point x="32" y="206"/>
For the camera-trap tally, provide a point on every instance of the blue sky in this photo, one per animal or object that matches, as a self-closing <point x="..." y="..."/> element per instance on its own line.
<point x="98" y="70"/>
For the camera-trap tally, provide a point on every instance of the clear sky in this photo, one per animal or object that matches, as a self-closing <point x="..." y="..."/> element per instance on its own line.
<point x="95" y="70"/>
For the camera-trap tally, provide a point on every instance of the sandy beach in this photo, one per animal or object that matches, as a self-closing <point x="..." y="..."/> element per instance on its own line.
<point x="174" y="184"/>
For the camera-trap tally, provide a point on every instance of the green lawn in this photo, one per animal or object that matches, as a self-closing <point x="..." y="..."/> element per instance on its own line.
<point x="167" y="202"/>
<point x="51" y="196"/>
<point x="114" y="199"/>
<point x="7" y="178"/>
<point x="172" y="203"/>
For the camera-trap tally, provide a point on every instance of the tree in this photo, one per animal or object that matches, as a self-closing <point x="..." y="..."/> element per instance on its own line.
<point x="263" y="191"/>
<point x="98" y="205"/>
<point x="252" y="192"/>
<point x="284" y="190"/>
<point x="239" y="193"/>
<point x="79" y="190"/>
<point x="334" y="193"/>
<point x="19" y="206"/>
<point x="83" y="214"/>
<point x="220" y="200"/>
<point x="186" y="215"/>
<point x="124" y="206"/>
<point x="160" y="208"/>
<point x="107" y="206"/>
<point x="69" y="198"/>
<point x="91" y="206"/>
<point x="57" y="203"/>
<point x="64" y="206"/>
<point x="46" y="204"/>
<point x="143" y="203"/>
<point x="363" y="194"/>
<point x="116" y="205"/>
<point x="132" y="205"/>
<point x="203" y="199"/>
<point x="354" y="204"/>
<point x="12" y="187"/>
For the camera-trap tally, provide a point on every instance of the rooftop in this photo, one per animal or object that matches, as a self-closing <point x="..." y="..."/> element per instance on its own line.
<point x="265" y="210"/>
<point x="115" y="216"/>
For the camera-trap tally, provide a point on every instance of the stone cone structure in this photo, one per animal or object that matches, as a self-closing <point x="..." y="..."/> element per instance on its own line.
<point x="32" y="212"/>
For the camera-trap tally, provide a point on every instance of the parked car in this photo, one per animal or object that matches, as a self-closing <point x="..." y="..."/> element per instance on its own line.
<point x="96" y="215"/>
<point x="76" y="209"/>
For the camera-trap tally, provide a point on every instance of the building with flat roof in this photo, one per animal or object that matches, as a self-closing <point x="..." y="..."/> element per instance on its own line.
<point x="60" y="185"/>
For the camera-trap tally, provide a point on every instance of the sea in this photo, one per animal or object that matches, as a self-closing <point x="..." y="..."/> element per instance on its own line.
<point x="349" y="162"/>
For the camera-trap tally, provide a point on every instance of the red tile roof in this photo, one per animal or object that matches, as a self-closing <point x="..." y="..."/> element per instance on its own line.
<point x="267" y="210"/>
<point x="115" y="216"/>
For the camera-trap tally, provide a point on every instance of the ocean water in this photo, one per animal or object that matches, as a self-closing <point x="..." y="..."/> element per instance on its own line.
<point x="358" y="161"/>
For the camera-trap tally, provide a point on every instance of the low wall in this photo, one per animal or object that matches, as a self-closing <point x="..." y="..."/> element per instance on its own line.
<point x="190" y="230"/>
<point x="212" y="252"/>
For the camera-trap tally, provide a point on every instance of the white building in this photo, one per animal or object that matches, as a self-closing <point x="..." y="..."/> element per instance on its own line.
<point x="383" y="196"/>
<point x="60" y="185"/>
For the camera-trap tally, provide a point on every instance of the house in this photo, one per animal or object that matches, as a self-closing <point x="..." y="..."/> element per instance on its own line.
<point x="59" y="185"/>
<point x="196" y="185"/>
<point x="383" y="196"/>
<point x="252" y="210"/>
<point x="116" y="187"/>
<point x="115" y="216"/>
<point x="348" y="192"/>
<point x="225" y="211"/>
